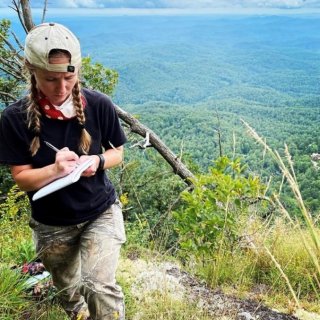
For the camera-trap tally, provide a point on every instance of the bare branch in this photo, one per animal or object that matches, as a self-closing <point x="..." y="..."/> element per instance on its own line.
<point x="135" y="126"/>
<point x="5" y="40"/>
<point x="12" y="61"/>
<point x="17" y="41"/>
<point x="143" y="144"/>
<point x="11" y="70"/>
<point x="44" y="11"/>
<point x="16" y="7"/>
<point x="8" y="95"/>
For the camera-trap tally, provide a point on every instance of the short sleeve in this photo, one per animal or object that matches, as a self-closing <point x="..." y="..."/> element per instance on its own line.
<point x="113" y="135"/>
<point x="14" y="138"/>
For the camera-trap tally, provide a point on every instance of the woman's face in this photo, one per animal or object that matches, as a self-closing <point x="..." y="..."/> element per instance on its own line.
<point x="56" y="86"/>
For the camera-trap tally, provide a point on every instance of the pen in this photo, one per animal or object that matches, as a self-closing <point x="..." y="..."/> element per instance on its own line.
<point x="51" y="146"/>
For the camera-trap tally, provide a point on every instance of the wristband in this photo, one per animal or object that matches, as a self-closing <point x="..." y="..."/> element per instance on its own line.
<point x="102" y="161"/>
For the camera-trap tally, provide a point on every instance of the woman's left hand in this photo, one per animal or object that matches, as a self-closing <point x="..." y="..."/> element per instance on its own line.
<point x="91" y="171"/>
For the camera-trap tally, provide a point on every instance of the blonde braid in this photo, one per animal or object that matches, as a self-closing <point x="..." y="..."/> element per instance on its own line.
<point x="85" y="138"/>
<point x="33" y="116"/>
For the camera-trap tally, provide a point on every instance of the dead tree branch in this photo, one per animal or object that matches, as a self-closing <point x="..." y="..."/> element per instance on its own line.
<point x="5" y="40"/>
<point x="16" y="8"/>
<point x="44" y="11"/>
<point x="136" y="127"/>
<point x="11" y="73"/>
<point x="17" y="41"/>
<point x="8" y="95"/>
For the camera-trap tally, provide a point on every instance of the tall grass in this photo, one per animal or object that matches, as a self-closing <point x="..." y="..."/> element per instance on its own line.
<point x="305" y="228"/>
<point x="12" y="295"/>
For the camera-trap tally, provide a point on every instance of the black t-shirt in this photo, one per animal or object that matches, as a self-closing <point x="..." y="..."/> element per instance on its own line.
<point x="85" y="199"/>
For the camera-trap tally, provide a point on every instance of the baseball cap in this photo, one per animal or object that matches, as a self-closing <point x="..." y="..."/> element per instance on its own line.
<point x="46" y="37"/>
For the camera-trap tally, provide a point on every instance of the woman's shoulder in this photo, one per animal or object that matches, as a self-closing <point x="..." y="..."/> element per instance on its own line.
<point x="16" y="108"/>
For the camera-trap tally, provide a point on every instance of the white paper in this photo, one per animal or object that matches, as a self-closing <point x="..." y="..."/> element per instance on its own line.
<point x="58" y="184"/>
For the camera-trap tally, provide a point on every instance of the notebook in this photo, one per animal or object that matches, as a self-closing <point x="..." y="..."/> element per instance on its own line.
<point x="60" y="183"/>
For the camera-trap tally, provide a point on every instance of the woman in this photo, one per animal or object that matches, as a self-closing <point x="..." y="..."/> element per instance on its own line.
<point x="78" y="230"/>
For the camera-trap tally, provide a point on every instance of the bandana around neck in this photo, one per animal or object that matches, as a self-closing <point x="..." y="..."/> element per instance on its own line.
<point x="64" y="112"/>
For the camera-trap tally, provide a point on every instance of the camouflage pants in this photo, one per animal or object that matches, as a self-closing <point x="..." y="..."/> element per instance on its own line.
<point x="82" y="260"/>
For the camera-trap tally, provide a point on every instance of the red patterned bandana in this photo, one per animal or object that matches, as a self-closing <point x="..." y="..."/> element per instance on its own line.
<point x="53" y="112"/>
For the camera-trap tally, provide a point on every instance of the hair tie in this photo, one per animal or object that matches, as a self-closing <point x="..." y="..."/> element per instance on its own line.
<point x="81" y="126"/>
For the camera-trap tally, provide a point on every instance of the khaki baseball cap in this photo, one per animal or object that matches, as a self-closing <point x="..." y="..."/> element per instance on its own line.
<point x="46" y="37"/>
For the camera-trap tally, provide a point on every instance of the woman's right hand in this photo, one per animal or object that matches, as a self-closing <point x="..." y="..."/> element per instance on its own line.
<point x="65" y="162"/>
<point x="30" y="179"/>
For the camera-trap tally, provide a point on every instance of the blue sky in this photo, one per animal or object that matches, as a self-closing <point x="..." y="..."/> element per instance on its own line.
<point x="181" y="4"/>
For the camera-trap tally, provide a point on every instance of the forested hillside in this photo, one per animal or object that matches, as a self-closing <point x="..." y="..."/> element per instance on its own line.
<point x="188" y="77"/>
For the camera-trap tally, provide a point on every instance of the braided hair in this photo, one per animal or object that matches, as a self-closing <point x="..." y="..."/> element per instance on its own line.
<point x="34" y="115"/>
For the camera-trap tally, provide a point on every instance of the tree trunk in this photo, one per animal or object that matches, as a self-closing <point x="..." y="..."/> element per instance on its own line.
<point x="27" y="15"/>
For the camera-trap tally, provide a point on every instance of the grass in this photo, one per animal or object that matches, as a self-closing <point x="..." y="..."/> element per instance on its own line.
<point x="159" y="306"/>
<point x="12" y="294"/>
<point x="305" y="229"/>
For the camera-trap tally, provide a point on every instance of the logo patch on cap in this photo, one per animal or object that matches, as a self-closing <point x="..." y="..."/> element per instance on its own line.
<point x="71" y="68"/>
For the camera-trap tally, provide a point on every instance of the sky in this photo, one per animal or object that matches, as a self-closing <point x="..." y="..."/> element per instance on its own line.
<point x="168" y="4"/>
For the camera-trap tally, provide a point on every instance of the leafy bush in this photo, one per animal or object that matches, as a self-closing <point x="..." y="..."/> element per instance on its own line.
<point x="15" y="241"/>
<point x="212" y="210"/>
<point x="98" y="77"/>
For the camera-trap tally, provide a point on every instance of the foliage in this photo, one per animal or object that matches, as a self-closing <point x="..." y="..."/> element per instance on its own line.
<point x="10" y="69"/>
<point x="164" y="307"/>
<point x="16" y="304"/>
<point x="305" y="224"/>
<point x="214" y="207"/>
<point x="149" y="190"/>
<point x="14" y="218"/>
<point x="6" y="181"/>
<point x="98" y="77"/>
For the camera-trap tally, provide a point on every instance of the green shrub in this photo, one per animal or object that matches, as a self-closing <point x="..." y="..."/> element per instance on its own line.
<point x="213" y="210"/>
<point x="15" y="240"/>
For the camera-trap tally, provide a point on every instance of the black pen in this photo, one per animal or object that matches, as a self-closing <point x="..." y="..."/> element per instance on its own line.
<point x="51" y="146"/>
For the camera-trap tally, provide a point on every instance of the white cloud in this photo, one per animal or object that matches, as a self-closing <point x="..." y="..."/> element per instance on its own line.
<point x="174" y="3"/>
<point x="72" y="4"/>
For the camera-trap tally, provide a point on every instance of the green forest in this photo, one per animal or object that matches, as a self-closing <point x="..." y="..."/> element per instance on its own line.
<point x="195" y="130"/>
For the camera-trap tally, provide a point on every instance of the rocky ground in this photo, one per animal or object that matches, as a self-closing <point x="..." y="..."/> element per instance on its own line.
<point x="220" y="305"/>
<point x="169" y="278"/>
